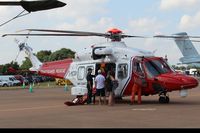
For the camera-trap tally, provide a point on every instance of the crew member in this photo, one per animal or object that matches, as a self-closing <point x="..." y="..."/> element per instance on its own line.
<point x="137" y="86"/>
<point x="89" y="85"/>
<point x="136" y="89"/>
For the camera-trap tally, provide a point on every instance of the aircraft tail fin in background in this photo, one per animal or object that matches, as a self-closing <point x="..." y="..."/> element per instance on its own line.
<point x="187" y="48"/>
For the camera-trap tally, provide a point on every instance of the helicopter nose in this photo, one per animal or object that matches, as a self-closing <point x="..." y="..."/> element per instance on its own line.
<point x="178" y="81"/>
<point x="189" y="82"/>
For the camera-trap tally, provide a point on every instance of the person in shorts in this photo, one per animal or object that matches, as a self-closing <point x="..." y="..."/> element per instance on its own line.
<point x="100" y="87"/>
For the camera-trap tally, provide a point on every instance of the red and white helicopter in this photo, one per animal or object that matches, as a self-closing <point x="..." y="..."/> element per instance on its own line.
<point x="129" y="64"/>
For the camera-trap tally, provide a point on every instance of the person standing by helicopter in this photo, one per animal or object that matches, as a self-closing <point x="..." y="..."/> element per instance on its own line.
<point x="100" y="86"/>
<point x="89" y="85"/>
<point x="139" y="82"/>
<point x="109" y="87"/>
<point x="136" y="89"/>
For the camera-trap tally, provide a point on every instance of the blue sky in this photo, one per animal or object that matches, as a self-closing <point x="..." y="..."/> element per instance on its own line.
<point x="135" y="17"/>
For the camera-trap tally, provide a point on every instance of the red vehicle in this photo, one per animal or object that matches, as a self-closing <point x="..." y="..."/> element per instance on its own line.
<point x="129" y="64"/>
<point x="21" y="79"/>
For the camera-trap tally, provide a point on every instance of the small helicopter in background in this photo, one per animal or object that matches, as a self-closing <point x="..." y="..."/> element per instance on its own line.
<point x="128" y="64"/>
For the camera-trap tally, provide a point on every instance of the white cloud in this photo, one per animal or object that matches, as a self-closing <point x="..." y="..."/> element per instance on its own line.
<point x="178" y="4"/>
<point x="143" y="25"/>
<point x="79" y="8"/>
<point x="84" y="24"/>
<point x="87" y="24"/>
<point x="188" y="22"/>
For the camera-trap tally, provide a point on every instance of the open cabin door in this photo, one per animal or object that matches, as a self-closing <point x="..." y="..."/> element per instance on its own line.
<point x="139" y="72"/>
<point x="80" y="86"/>
<point x="123" y="77"/>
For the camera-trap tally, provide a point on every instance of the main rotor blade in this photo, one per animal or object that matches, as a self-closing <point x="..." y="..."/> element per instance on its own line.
<point x="170" y="37"/>
<point x="46" y="35"/>
<point x="176" y="36"/>
<point x="106" y="35"/>
<point x="194" y="36"/>
<point x="195" y="40"/>
<point x="129" y="36"/>
<point x="179" y="37"/>
<point x="67" y="31"/>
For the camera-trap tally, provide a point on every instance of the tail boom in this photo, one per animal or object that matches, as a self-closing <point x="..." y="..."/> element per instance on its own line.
<point x="56" y="69"/>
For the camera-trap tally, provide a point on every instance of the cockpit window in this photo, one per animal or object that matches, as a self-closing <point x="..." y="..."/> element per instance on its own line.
<point x="137" y="68"/>
<point x="157" y="67"/>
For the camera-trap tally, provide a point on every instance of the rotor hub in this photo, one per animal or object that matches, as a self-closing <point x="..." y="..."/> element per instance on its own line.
<point x="115" y="31"/>
<point x="115" y="35"/>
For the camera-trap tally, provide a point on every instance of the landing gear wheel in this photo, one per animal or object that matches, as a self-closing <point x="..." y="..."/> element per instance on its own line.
<point x="164" y="99"/>
<point x="167" y="99"/>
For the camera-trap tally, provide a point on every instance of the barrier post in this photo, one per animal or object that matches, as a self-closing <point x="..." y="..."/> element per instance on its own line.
<point x="66" y="88"/>
<point x="31" y="89"/>
<point x="23" y="86"/>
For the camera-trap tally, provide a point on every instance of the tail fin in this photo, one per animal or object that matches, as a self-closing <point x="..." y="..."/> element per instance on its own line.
<point x="56" y="69"/>
<point x="187" y="48"/>
<point x="34" y="60"/>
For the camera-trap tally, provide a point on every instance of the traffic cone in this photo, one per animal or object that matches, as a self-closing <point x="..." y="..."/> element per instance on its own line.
<point x="66" y="88"/>
<point x="33" y="84"/>
<point x="31" y="89"/>
<point x="23" y="86"/>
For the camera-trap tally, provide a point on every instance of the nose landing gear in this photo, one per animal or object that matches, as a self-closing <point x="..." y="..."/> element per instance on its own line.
<point x="164" y="98"/>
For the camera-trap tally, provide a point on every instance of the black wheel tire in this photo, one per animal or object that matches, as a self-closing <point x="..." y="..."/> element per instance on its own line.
<point x="5" y="85"/>
<point x="162" y="100"/>
<point x="167" y="100"/>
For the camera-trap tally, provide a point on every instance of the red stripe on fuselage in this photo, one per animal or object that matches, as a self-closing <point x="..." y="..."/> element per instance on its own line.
<point x="56" y="69"/>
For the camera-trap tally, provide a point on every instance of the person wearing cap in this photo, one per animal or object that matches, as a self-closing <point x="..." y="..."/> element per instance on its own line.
<point x="100" y="86"/>
<point x="89" y="85"/>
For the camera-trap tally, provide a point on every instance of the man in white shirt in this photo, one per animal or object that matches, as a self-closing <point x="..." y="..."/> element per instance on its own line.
<point x="100" y="86"/>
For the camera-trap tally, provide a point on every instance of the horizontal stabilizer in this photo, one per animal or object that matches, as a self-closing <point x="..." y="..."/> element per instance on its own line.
<point x="190" y="60"/>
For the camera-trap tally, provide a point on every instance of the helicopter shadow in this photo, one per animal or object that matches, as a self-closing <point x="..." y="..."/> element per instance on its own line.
<point x="156" y="102"/>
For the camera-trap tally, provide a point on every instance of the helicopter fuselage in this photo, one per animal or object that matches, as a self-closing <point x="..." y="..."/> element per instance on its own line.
<point x="130" y="65"/>
<point x="155" y="75"/>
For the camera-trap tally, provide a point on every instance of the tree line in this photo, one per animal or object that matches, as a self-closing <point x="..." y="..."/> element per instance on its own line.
<point x="43" y="56"/>
<point x="184" y="68"/>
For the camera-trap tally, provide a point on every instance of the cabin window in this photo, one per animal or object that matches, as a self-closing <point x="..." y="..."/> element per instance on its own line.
<point x="122" y="71"/>
<point x="156" y="67"/>
<point x="81" y="73"/>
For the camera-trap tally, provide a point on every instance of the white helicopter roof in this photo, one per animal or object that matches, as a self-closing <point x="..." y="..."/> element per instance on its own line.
<point x="118" y="50"/>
